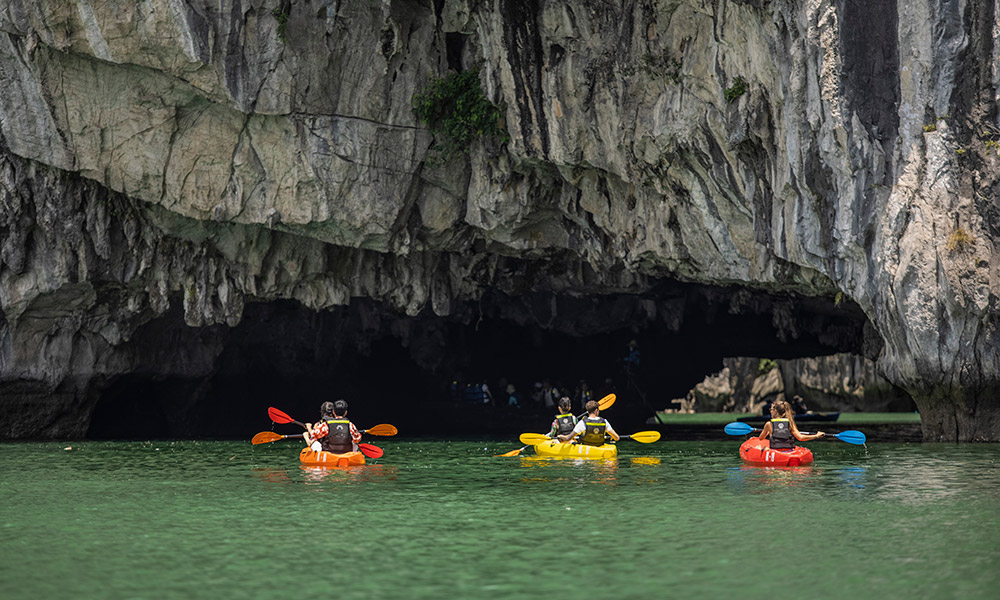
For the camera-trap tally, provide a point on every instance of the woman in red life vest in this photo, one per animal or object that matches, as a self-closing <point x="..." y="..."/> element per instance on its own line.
<point x="782" y="429"/>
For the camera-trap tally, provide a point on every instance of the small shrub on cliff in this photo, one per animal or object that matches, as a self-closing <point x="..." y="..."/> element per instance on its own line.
<point x="457" y="113"/>
<point x="736" y="90"/>
<point x="282" y="18"/>
<point x="959" y="240"/>
<point x="765" y="366"/>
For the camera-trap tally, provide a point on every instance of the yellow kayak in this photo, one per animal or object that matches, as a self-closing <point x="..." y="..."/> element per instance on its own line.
<point x="556" y="448"/>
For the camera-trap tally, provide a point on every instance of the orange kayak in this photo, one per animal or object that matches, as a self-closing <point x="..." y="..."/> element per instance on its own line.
<point x="311" y="458"/>
<point x="757" y="452"/>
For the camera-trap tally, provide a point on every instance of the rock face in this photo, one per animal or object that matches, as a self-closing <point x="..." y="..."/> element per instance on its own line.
<point x="215" y="154"/>
<point x="840" y="382"/>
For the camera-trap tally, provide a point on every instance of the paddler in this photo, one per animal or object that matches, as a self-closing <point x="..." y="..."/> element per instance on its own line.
<point x="782" y="429"/>
<point x="591" y="429"/>
<point x="333" y="432"/>
<point x="565" y="421"/>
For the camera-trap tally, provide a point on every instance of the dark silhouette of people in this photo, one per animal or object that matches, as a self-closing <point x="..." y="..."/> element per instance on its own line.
<point x="633" y="358"/>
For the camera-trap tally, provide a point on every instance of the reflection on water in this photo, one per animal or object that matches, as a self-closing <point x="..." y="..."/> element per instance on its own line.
<point x="355" y="474"/>
<point x="852" y="476"/>
<point x="765" y="480"/>
<point x="569" y="468"/>
<point x="445" y="518"/>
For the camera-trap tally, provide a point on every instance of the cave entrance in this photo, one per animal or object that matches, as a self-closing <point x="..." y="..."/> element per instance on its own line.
<point x="409" y="370"/>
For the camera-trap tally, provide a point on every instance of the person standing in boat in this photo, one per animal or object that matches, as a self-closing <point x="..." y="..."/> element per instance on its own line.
<point x="592" y="428"/>
<point x="333" y="432"/>
<point x="565" y="422"/>
<point x="782" y="429"/>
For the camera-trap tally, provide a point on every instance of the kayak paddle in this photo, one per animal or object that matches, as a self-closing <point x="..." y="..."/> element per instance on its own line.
<point x="370" y="451"/>
<point x="266" y="437"/>
<point x="851" y="436"/>
<point x="737" y="428"/>
<point x="515" y="452"/>
<point x="533" y="439"/>
<point x="382" y="429"/>
<point x="280" y="417"/>
<point x="603" y="404"/>
<point x="646" y="437"/>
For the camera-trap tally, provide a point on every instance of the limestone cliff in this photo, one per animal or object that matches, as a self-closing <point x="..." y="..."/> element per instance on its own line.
<point x="209" y="155"/>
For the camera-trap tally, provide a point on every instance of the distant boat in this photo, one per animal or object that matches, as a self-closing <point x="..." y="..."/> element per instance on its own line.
<point x="804" y="417"/>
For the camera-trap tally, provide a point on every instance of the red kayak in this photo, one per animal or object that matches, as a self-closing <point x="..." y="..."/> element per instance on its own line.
<point x="757" y="452"/>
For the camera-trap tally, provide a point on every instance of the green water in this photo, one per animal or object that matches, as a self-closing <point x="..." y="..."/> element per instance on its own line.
<point x="446" y="519"/>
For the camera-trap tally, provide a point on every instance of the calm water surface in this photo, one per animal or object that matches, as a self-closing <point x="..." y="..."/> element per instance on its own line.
<point x="445" y="518"/>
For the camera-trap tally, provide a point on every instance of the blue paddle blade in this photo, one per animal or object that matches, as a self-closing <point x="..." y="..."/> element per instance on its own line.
<point x="851" y="437"/>
<point x="737" y="428"/>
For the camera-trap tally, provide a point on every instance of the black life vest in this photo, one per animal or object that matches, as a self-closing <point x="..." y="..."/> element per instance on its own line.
<point x="339" y="439"/>
<point x="593" y="435"/>
<point x="565" y="424"/>
<point x="781" y="435"/>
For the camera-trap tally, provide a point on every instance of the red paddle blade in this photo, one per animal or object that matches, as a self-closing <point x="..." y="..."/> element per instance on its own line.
<point x="265" y="437"/>
<point x="370" y="451"/>
<point x="277" y="416"/>
<point x="383" y="429"/>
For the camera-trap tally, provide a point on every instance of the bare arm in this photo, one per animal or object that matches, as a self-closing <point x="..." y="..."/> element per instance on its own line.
<point x="803" y="437"/>
<point x="766" y="432"/>
<point x="614" y="434"/>
<point x="576" y="431"/>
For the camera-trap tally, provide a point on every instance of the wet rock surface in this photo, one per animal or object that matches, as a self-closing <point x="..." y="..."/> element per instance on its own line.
<point x="169" y="164"/>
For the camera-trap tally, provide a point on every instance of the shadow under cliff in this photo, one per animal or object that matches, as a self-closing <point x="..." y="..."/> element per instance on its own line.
<point x="217" y="382"/>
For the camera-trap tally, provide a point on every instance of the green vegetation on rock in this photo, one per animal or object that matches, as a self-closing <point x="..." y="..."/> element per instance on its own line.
<point x="736" y="90"/>
<point x="458" y="114"/>
<point x="765" y="366"/>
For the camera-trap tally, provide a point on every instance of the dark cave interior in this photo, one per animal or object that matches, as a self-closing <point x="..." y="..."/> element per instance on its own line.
<point x="217" y="382"/>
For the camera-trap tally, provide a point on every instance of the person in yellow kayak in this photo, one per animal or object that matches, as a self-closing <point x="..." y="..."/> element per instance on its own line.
<point x="592" y="428"/>
<point x="782" y="429"/>
<point x="333" y="432"/>
<point x="565" y="421"/>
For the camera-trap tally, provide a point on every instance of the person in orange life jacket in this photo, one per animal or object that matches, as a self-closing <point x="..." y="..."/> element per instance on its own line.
<point x="333" y="432"/>
<point x="782" y="429"/>
<point x="563" y="424"/>
<point x="592" y="428"/>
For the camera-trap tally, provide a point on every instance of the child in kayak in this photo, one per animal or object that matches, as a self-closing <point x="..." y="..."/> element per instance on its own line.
<point x="563" y="424"/>
<point x="782" y="429"/>
<point x="333" y="432"/>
